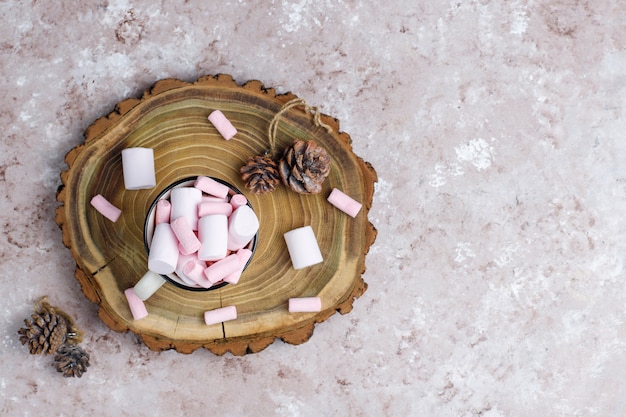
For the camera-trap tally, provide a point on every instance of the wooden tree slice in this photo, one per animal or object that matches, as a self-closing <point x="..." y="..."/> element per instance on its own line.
<point x="171" y="118"/>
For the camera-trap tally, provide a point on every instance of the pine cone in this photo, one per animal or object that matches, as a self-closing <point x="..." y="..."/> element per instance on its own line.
<point x="45" y="332"/>
<point x="304" y="167"/>
<point x="72" y="360"/>
<point x="260" y="174"/>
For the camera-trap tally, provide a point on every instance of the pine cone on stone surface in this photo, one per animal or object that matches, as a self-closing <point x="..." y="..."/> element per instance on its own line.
<point x="44" y="333"/>
<point x="260" y="174"/>
<point x="71" y="360"/>
<point x="304" y="167"/>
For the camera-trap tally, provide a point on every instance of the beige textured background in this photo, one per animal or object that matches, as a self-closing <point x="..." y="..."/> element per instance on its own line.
<point x="496" y="284"/>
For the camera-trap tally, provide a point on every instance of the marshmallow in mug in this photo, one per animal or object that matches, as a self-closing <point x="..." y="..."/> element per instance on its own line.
<point x="184" y="201"/>
<point x="188" y="243"/>
<point x="163" y="256"/>
<point x="138" y="168"/>
<point x="211" y="187"/>
<point x="244" y="256"/>
<point x="213" y="233"/>
<point x="242" y="226"/>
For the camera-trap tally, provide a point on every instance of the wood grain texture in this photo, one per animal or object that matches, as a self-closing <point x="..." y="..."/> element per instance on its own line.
<point x="171" y="118"/>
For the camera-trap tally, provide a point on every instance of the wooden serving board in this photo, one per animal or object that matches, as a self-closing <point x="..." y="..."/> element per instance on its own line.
<point x="171" y="118"/>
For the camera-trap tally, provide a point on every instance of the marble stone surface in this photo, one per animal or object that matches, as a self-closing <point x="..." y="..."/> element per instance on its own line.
<point x="496" y="283"/>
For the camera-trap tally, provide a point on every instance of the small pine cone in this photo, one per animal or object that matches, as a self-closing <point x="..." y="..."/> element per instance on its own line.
<point x="72" y="360"/>
<point x="304" y="167"/>
<point x="260" y="174"/>
<point x="44" y="333"/>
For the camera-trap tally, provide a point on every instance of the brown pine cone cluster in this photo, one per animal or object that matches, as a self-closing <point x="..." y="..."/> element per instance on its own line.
<point x="304" y="167"/>
<point x="260" y="174"/>
<point x="44" y="333"/>
<point x="50" y="330"/>
<point x="71" y="360"/>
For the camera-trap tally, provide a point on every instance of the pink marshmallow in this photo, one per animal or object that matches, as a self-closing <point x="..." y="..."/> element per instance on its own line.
<point x="305" y="305"/>
<point x="238" y="200"/>
<point x="105" y="208"/>
<point x="195" y="271"/>
<point x="244" y="256"/>
<point x="222" y="124"/>
<point x="212" y="199"/>
<point x="205" y="209"/>
<point x="220" y="315"/>
<point x="187" y="240"/>
<point x="222" y="268"/>
<point x="344" y="202"/>
<point x="137" y="307"/>
<point x="212" y="187"/>
<point x="182" y="261"/>
<point x="162" y="212"/>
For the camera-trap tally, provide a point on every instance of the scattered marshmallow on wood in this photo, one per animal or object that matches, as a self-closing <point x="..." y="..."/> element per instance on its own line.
<point x="344" y="202"/>
<point x="220" y="315"/>
<point x="303" y="248"/>
<point x="105" y="208"/>
<point x="138" y="168"/>
<point x="136" y="305"/>
<point x="222" y="124"/>
<point x="305" y="305"/>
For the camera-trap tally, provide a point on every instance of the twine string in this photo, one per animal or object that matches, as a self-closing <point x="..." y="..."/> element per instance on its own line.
<point x="317" y="119"/>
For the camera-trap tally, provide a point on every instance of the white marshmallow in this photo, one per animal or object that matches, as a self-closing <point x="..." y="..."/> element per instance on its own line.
<point x="185" y="202"/>
<point x="303" y="248"/>
<point x="242" y="226"/>
<point x="148" y="285"/>
<point x="163" y="255"/>
<point x="213" y="233"/>
<point x="138" y="168"/>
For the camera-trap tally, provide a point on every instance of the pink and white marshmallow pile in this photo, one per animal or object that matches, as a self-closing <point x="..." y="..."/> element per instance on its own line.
<point x="202" y="235"/>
